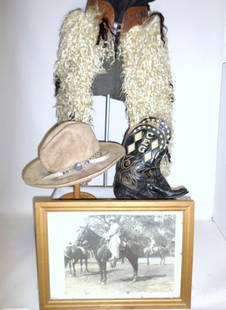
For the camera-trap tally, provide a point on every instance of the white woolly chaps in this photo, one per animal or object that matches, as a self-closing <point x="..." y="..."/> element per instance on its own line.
<point x="146" y="71"/>
<point x="147" y="81"/>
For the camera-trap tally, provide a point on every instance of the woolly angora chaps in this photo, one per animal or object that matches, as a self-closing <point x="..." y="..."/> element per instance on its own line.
<point x="146" y="73"/>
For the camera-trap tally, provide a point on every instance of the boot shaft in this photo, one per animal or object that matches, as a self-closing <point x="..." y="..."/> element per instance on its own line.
<point x="138" y="174"/>
<point x="145" y="145"/>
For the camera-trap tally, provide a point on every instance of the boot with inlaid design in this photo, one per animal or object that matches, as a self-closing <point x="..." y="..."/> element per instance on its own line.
<point x="138" y="174"/>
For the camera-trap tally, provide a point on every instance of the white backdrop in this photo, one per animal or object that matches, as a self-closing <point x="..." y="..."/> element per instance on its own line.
<point x="29" y="37"/>
<point x="219" y="211"/>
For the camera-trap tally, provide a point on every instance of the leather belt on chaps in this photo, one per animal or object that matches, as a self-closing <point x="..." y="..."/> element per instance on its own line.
<point x="134" y="15"/>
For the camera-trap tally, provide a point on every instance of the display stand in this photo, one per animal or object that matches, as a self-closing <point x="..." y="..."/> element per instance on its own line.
<point x="76" y="194"/>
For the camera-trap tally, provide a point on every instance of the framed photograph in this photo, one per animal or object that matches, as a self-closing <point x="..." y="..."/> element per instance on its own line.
<point x="114" y="254"/>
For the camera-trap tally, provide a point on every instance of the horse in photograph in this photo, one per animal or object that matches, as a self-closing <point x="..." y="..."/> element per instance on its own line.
<point x="72" y="255"/>
<point x="67" y="261"/>
<point x="102" y="253"/>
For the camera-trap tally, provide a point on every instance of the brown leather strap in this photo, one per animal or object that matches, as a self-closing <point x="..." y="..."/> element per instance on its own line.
<point x="136" y="15"/>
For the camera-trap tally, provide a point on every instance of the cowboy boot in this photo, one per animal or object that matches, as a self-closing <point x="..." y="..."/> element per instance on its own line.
<point x="138" y="174"/>
<point x="156" y="173"/>
<point x="166" y="131"/>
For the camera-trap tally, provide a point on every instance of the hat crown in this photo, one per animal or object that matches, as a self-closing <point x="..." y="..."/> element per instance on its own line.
<point x="67" y="144"/>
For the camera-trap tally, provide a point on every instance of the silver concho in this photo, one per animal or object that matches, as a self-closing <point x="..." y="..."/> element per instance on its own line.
<point x="78" y="166"/>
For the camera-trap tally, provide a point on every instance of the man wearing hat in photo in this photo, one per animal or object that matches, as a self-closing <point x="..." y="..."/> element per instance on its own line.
<point x="113" y="238"/>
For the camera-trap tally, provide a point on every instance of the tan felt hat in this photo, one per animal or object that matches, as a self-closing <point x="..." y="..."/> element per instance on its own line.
<point x="70" y="154"/>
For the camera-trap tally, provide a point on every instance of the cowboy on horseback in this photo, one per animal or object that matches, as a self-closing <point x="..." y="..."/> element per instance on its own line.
<point x="113" y="238"/>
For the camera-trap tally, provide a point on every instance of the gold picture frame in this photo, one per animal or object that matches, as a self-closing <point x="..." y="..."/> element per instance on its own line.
<point x="168" y="286"/>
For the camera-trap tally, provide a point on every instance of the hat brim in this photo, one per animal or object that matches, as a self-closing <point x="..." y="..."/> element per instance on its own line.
<point x="34" y="173"/>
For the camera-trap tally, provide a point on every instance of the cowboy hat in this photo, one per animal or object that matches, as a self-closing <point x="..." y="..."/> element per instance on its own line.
<point x="70" y="154"/>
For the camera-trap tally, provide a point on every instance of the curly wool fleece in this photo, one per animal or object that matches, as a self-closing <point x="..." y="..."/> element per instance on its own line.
<point x="146" y="71"/>
<point x="79" y="59"/>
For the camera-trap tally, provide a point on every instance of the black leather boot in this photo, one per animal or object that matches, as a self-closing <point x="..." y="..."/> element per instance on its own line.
<point x="138" y="174"/>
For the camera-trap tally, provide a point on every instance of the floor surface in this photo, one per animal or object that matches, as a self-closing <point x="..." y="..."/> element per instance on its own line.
<point x="209" y="271"/>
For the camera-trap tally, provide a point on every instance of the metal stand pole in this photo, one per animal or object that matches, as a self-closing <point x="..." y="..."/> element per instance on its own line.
<point x="106" y="130"/>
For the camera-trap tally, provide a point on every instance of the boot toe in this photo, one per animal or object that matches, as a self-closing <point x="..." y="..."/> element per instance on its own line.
<point x="178" y="192"/>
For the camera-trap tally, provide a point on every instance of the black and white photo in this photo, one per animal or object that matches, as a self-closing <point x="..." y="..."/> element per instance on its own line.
<point x="115" y="254"/>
